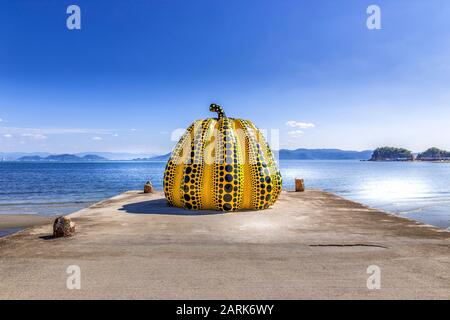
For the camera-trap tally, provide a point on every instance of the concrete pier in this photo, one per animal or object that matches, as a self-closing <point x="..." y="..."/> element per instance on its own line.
<point x="310" y="245"/>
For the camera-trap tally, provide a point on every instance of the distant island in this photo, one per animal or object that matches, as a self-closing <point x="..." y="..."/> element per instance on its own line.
<point x="63" y="158"/>
<point x="391" y="154"/>
<point x="434" y="154"/>
<point x="401" y="154"/>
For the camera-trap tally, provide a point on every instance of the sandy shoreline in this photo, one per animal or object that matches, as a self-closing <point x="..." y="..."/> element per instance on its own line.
<point x="309" y="245"/>
<point x="10" y="223"/>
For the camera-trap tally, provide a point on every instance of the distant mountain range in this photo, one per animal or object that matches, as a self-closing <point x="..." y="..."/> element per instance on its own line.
<point x="12" y="156"/>
<point x="324" y="154"/>
<point x="300" y="154"/>
<point x="63" y="158"/>
<point x="163" y="157"/>
<point x="118" y="155"/>
<point x="379" y="154"/>
<point x="284" y="154"/>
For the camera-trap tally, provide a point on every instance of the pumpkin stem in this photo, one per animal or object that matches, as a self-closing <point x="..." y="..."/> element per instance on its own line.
<point x="216" y="108"/>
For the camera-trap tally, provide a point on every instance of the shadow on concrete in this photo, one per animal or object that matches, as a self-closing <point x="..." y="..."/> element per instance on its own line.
<point x="49" y="237"/>
<point x="160" y="206"/>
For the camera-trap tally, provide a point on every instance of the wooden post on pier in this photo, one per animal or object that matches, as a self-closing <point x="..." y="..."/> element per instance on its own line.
<point x="299" y="185"/>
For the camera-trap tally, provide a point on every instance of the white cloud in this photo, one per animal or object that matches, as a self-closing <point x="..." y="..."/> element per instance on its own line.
<point x="133" y="129"/>
<point x="115" y="135"/>
<point x="302" y="125"/>
<point x="295" y="133"/>
<point x="97" y="138"/>
<point x="37" y="136"/>
<point x="7" y="135"/>
<point x="1" y="119"/>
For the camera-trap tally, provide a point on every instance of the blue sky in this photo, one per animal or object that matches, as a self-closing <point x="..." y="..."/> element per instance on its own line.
<point x="137" y="70"/>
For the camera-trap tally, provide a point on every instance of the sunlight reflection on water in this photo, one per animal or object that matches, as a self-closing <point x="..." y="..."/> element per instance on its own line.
<point x="417" y="190"/>
<point x="393" y="189"/>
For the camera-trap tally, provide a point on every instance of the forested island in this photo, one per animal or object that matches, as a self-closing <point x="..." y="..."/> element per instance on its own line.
<point x="434" y="154"/>
<point x="402" y="154"/>
<point x="391" y="154"/>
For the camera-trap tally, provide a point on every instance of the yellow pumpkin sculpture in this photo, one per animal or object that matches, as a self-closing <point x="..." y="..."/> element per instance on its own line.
<point x="222" y="164"/>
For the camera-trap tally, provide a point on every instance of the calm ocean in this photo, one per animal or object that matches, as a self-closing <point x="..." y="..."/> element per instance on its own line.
<point x="416" y="190"/>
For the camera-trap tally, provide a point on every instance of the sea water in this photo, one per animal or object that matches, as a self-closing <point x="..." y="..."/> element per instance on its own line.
<point x="416" y="190"/>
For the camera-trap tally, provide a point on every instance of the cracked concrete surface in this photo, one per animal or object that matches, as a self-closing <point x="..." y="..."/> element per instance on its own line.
<point x="309" y="245"/>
